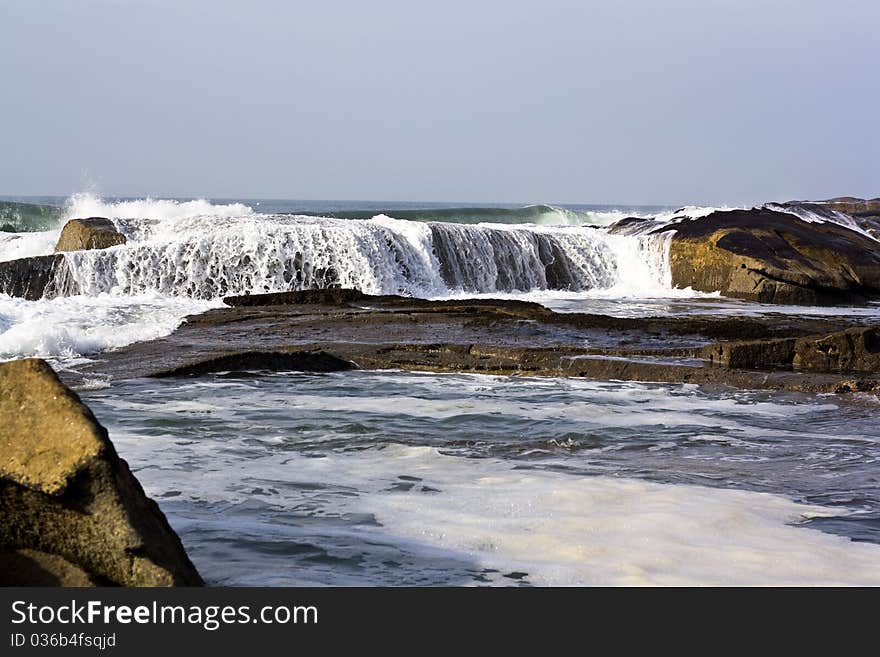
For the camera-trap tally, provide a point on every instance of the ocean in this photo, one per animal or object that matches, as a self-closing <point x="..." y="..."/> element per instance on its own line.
<point x="407" y="478"/>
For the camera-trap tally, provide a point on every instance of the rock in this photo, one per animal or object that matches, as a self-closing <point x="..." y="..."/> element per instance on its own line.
<point x="864" y="213"/>
<point x="630" y="225"/>
<point x="36" y="277"/>
<point x="870" y="225"/>
<point x="853" y="350"/>
<point x="751" y="354"/>
<point x="774" y="257"/>
<point x="65" y="493"/>
<point x="35" y="568"/>
<point x="91" y="233"/>
<point x="857" y="207"/>
<point x="296" y="361"/>
<point x="333" y="329"/>
<point x="331" y="296"/>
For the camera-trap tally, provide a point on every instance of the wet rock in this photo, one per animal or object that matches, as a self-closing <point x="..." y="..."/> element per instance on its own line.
<point x="856" y="207"/>
<point x="752" y="354"/>
<point x="299" y="361"/>
<point x="854" y="350"/>
<point x="351" y="329"/>
<point x="91" y="233"/>
<point x="36" y="277"/>
<point x="773" y="257"/>
<point x="630" y="225"/>
<point x="66" y="496"/>
<point x="333" y="296"/>
<point x="864" y="213"/>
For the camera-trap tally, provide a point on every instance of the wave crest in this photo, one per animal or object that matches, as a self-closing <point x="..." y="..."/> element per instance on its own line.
<point x="89" y="205"/>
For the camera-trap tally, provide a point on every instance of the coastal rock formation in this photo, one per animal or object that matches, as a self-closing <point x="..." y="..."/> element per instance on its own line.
<point x="36" y="277"/>
<point x="71" y="512"/>
<point x="35" y="568"/>
<point x="330" y="330"/>
<point x="91" y="233"/>
<point x="751" y="354"/>
<point x="863" y="213"/>
<point x="856" y="207"/>
<point x="296" y="361"/>
<point x="773" y="257"/>
<point x="853" y="350"/>
<point x="866" y="213"/>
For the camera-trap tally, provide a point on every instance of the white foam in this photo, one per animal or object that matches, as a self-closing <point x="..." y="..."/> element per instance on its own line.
<point x="643" y="265"/>
<point x="831" y="216"/>
<point x="89" y="205"/>
<point x="25" y="245"/>
<point x="638" y="408"/>
<point x="559" y="528"/>
<point x="564" y="217"/>
<point x="196" y="248"/>
<point x="609" y="217"/>
<point x="68" y="327"/>
<point x="694" y="212"/>
<point x="210" y="256"/>
<point x="563" y="529"/>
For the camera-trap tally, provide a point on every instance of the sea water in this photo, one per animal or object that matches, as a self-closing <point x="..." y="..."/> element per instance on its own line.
<point x="405" y="478"/>
<point x="182" y="256"/>
<point x="395" y="478"/>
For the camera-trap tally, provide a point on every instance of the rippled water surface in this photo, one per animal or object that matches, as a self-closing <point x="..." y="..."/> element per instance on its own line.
<point x="403" y="478"/>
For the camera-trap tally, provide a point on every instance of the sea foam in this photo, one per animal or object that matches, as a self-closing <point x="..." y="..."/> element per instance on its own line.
<point x="569" y="530"/>
<point x="89" y="205"/>
<point x="69" y="327"/>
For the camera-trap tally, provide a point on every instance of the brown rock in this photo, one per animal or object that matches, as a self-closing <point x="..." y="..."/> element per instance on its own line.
<point x="65" y="492"/>
<point x="856" y="207"/>
<point x="35" y="568"/>
<point x="751" y="354"/>
<point x="91" y="233"/>
<point x="773" y="257"/>
<point x="854" y="350"/>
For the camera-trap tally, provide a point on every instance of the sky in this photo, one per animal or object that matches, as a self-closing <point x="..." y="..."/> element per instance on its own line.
<point x="617" y="101"/>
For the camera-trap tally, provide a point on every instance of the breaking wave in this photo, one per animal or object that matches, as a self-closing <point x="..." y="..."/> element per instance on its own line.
<point x="547" y="215"/>
<point x="211" y="256"/>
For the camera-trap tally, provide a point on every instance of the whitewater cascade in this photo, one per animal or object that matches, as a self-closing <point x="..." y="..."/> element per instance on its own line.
<point x="210" y="256"/>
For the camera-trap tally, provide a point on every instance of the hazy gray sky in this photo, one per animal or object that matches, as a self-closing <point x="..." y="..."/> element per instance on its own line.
<point x="617" y="101"/>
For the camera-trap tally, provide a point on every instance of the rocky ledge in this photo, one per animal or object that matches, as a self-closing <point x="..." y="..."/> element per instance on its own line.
<point x="71" y="512"/>
<point x="773" y="257"/>
<point x="335" y="330"/>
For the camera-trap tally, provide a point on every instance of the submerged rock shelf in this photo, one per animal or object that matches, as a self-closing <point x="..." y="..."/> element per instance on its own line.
<point x="342" y="329"/>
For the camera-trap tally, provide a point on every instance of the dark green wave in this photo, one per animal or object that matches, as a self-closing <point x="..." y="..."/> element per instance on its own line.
<point x="28" y="217"/>
<point x="466" y="215"/>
